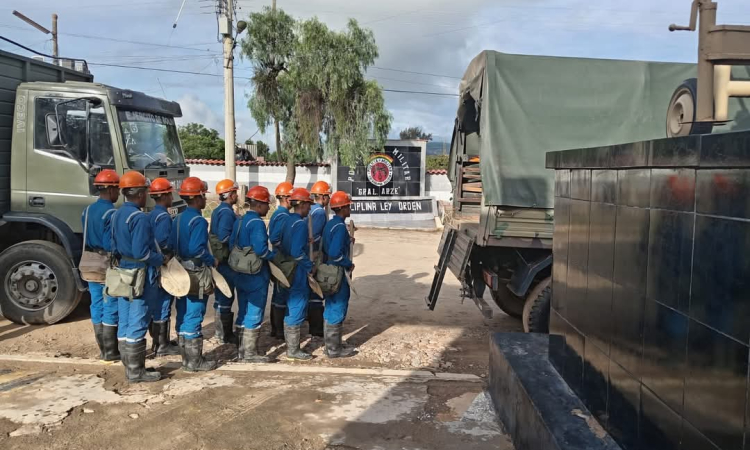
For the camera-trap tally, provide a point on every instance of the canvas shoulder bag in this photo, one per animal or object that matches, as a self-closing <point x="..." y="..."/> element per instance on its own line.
<point x="120" y="282"/>
<point x="201" y="279"/>
<point x="328" y="276"/>
<point x="244" y="259"/>
<point x="93" y="264"/>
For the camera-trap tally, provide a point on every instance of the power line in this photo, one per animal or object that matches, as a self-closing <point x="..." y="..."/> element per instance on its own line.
<point x="416" y="73"/>
<point x="420" y="92"/>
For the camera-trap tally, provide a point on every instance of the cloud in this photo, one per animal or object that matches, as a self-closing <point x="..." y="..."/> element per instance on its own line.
<point x="196" y="110"/>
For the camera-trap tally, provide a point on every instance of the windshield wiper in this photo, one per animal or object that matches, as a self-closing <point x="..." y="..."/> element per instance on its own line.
<point x="156" y="163"/>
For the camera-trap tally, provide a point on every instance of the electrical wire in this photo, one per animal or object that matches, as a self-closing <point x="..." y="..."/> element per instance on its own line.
<point x="416" y="73"/>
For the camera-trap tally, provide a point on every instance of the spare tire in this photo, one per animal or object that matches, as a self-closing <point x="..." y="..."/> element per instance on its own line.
<point x="510" y="303"/>
<point x="682" y="111"/>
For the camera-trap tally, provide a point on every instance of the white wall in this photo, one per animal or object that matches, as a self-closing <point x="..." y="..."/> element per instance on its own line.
<point x="438" y="187"/>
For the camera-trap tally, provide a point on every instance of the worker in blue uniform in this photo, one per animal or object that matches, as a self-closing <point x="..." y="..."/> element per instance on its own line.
<point x="336" y="248"/>
<point x="252" y="289"/>
<point x="189" y="240"/>
<point x="160" y="301"/>
<point x="275" y="232"/>
<point x="222" y="223"/>
<point x="294" y="243"/>
<point x="96" y="221"/>
<point x="134" y="247"/>
<point x="321" y="193"/>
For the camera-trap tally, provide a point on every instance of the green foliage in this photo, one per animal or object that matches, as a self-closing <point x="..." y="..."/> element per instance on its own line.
<point x="199" y="142"/>
<point x="436" y="162"/>
<point x="415" y="133"/>
<point x="263" y="150"/>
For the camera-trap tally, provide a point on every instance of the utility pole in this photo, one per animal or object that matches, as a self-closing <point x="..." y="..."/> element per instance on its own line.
<point x="43" y="30"/>
<point x="273" y="5"/>
<point x="226" y="28"/>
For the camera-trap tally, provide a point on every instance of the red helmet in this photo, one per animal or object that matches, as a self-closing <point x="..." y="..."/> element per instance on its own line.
<point x="300" y="195"/>
<point x="259" y="193"/>
<point x="321" y="188"/>
<point x="160" y="186"/>
<point x="193" y="186"/>
<point x="133" y="179"/>
<point x="107" y="177"/>
<point x="340" y="199"/>
<point x="284" y="189"/>
<point x="226" y="186"/>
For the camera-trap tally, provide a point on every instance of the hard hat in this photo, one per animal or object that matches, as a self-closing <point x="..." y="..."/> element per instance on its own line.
<point x="226" y="186"/>
<point x="160" y="186"/>
<point x="193" y="186"/>
<point x="321" y="188"/>
<point x="259" y="193"/>
<point x="340" y="199"/>
<point x="284" y="189"/>
<point x="300" y="195"/>
<point x="133" y="179"/>
<point x="107" y="177"/>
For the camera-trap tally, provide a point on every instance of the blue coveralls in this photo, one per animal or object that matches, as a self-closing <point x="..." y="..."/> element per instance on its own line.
<point x="134" y="243"/>
<point x="159" y="300"/>
<point x="275" y="232"/>
<point x="319" y="219"/>
<point x="191" y="229"/>
<point x="98" y="237"/>
<point x="252" y="290"/>
<point x="336" y="244"/>
<point x="294" y="243"/>
<point x="222" y="223"/>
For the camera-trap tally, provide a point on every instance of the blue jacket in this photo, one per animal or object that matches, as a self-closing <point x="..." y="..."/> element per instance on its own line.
<point x="319" y="219"/>
<point x="250" y="231"/>
<point x="294" y="241"/>
<point x="276" y="226"/>
<point x="222" y="222"/>
<point x="161" y="223"/>
<point x="134" y="238"/>
<point x="336" y="243"/>
<point x="99" y="231"/>
<point x="191" y="229"/>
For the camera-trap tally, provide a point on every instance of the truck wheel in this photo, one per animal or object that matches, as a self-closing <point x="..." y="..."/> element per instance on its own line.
<point x="511" y="304"/>
<point x="536" y="310"/>
<point x="681" y="112"/>
<point x="37" y="283"/>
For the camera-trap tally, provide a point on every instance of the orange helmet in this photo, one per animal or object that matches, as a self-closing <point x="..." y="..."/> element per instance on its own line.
<point x="226" y="186"/>
<point x="284" y="189"/>
<point x="300" y="195"/>
<point x="340" y="199"/>
<point x="160" y="186"/>
<point x="107" y="177"/>
<point x="259" y="193"/>
<point x="321" y="188"/>
<point x="133" y="179"/>
<point x="193" y="186"/>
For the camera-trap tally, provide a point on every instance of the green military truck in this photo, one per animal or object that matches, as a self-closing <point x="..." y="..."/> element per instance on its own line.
<point x="513" y="109"/>
<point x="58" y="129"/>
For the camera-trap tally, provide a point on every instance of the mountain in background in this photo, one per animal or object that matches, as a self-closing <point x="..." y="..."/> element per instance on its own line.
<point x="436" y="147"/>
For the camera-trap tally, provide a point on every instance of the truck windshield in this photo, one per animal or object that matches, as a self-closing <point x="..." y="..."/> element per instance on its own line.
<point x="150" y="140"/>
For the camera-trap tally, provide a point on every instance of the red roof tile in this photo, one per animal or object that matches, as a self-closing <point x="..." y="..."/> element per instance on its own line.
<point x="437" y="172"/>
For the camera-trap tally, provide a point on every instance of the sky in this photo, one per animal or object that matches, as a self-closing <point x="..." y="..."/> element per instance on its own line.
<point x="436" y="38"/>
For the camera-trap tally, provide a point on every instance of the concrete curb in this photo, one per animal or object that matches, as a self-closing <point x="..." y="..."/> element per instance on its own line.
<point x="266" y="368"/>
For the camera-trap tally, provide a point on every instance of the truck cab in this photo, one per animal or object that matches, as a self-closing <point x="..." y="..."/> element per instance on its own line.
<point x="61" y="135"/>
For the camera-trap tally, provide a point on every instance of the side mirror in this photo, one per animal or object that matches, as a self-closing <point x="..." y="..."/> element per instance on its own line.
<point x="53" y="131"/>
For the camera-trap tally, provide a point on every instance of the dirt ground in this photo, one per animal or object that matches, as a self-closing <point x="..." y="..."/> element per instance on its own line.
<point x="389" y="324"/>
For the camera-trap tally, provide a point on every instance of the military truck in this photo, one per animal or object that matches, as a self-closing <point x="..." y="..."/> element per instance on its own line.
<point x="58" y="129"/>
<point x="512" y="110"/>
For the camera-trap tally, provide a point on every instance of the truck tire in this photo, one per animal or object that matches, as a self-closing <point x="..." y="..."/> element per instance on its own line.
<point x="537" y="308"/>
<point x="511" y="304"/>
<point x="682" y="110"/>
<point x="37" y="285"/>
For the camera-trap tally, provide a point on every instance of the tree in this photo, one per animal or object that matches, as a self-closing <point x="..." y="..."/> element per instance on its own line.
<point x="263" y="149"/>
<point x="199" y="142"/>
<point x="414" y="133"/>
<point x="435" y="162"/>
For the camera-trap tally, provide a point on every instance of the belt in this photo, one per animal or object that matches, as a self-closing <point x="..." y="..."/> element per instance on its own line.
<point x="96" y="250"/>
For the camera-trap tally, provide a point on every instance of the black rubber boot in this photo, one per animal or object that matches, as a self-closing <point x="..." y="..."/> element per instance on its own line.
<point x="98" y="334"/>
<point x="123" y="353"/>
<point x="163" y="346"/>
<point x="291" y="334"/>
<point x="274" y="322"/>
<point x="110" y="343"/>
<point x="240" y="333"/>
<point x="181" y="347"/>
<point x="223" y="323"/>
<point x="250" y="347"/>
<point x="135" y="368"/>
<point x="194" y="357"/>
<point x="334" y="347"/>
<point x="315" y="319"/>
<point x="277" y="321"/>
<point x="154" y="336"/>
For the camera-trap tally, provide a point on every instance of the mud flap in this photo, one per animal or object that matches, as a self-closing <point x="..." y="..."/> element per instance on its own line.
<point x="455" y="252"/>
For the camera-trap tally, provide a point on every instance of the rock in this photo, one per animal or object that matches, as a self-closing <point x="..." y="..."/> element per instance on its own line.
<point x="447" y="364"/>
<point x="133" y="416"/>
<point x="88" y="411"/>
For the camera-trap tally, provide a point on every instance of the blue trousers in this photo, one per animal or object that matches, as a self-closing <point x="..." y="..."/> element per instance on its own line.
<point x="222" y="303"/>
<point x="337" y="305"/>
<point x="299" y="297"/>
<point x="254" y="306"/>
<point x="103" y="307"/>
<point x="159" y="303"/>
<point x="280" y="295"/>
<point x="190" y="313"/>
<point x="133" y="319"/>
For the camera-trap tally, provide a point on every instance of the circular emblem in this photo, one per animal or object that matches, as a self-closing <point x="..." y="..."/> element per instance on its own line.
<point x="380" y="170"/>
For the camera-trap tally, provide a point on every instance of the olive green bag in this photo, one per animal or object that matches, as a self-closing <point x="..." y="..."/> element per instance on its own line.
<point x="219" y="249"/>
<point x="127" y="283"/>
<point x="286" y="264"/>
<point x="329" y="278"/>
<point x="201" y="278"/>
<point x="244" y="260"/>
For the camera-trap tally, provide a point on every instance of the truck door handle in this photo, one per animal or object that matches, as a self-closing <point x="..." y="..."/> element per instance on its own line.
<point x="36" y="201"/>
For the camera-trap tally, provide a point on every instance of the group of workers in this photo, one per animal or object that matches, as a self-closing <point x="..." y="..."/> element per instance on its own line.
<point x="141" y="244"/>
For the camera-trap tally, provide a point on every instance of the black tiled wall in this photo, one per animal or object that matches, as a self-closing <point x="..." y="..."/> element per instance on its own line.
<point x="651" y="295"/>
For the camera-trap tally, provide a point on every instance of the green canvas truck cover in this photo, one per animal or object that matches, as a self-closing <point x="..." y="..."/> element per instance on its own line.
<point x="530" y="105"/>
